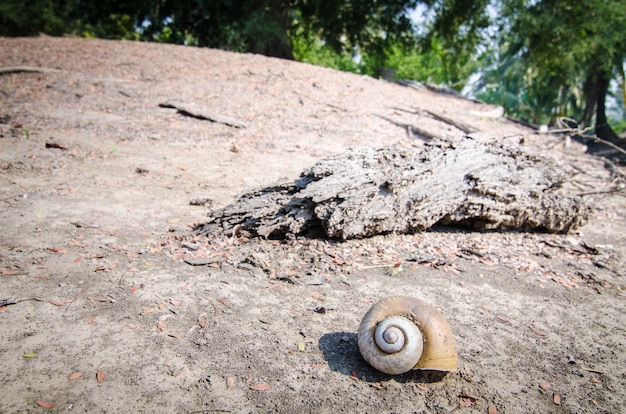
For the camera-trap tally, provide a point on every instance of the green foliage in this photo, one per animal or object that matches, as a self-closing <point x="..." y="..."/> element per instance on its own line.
<point x="542" y="60"/>
<point x="618" y="125"/>
<point x="405" y="62"/>
<point x="311" y="49"/>
<point x="343" y="36"/>
<point x="617" y="119"/>
<point x="28" y="18"/>
<point x="114" y="26"/>
<point x="519" y="89"/>
<point x="362" y="26"/>
<point x="410" y="63"/>
<point x="562" y="51"/>
<point x="567" y="36"/>
<point x="454" y="35"/>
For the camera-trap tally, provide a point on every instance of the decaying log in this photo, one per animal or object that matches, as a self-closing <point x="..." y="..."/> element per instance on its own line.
<point x="480" y="183"/>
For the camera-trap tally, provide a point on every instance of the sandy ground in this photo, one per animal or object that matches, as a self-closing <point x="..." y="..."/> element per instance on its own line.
<point x="100" y="188"/>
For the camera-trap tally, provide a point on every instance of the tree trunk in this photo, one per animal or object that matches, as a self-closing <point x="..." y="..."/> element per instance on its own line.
<point x="603" y="129"/>
<point x="281" y="47"/>
<point x="590" y="89"/>
<point x="484" y="184"/>
<point x="596" y="88"/>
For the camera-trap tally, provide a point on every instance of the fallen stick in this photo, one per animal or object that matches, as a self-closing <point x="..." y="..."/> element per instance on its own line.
<point x="25" y="69"/>
<point x="7" y="302"/>
<point x="201" y="112"/>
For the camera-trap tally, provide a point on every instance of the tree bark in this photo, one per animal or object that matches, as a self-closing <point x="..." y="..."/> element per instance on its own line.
<point x="590" y="89"/>
<point x="603" y="129"/>
<point x="596" y="89"/>
<point x="479" y="183"/>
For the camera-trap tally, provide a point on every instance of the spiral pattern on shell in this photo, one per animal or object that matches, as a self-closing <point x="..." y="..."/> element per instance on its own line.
<point x="402" y="333"/>
<point x="395" y="346"/>
<point x="390" y="335"/>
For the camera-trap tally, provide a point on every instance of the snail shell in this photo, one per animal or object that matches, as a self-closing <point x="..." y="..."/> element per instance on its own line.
<point x="402" y="333"/>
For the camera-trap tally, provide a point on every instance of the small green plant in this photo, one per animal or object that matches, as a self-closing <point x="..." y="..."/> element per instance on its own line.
<point x="26" y="133"/>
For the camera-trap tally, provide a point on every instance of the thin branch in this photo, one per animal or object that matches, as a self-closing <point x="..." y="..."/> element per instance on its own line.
<point x="605" y="142"/>
<point x="583" y="133"/>
<point x="201" y="112"/>
<point x="413" y="130"/>
<point x="468" y="129"/>
<point x="7" y="302"/>
<point x="25" y="69"/>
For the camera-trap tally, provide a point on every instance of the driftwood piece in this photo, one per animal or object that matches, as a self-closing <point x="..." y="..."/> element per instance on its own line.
<point x="201" y="112"/>
<point x="483" y="184"/>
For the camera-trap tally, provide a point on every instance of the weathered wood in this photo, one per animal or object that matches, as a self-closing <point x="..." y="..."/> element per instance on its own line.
<point x="201" y="112"/>
<point x="484" y="184"/>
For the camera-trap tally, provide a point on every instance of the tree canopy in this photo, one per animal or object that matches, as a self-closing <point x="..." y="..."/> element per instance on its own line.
<point x="539" y="59"/>
<point x="558" y="57"/>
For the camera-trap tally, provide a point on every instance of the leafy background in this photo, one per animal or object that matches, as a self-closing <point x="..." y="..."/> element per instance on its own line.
<point x="541" y="60"/>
